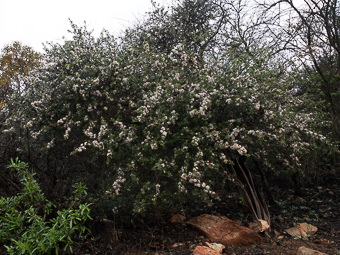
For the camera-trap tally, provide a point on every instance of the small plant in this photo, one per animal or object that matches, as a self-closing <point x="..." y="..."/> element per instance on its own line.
<point x="301" y="237"/>
<point x="26" y="225"/>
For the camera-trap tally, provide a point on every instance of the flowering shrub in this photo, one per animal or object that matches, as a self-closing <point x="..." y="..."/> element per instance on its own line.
<point x="169" y="125"/>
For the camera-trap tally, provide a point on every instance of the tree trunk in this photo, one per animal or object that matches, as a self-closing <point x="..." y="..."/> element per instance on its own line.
<point x="265" y="184"/>
<point x="252" y="196"/>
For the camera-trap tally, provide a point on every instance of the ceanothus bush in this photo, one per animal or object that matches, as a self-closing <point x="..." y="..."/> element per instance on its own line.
<point x="168" y="126"/>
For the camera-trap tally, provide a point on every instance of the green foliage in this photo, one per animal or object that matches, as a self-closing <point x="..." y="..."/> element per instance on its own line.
<point x="27" y="222"/>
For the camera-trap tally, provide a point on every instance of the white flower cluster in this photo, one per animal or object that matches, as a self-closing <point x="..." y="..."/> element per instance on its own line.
<point x="239" y="148"/>
<point x="117" y="185"/>
<point x="157" y="192"/>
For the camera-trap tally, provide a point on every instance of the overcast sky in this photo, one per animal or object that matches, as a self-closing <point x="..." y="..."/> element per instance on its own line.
<point x="33" y="22"/>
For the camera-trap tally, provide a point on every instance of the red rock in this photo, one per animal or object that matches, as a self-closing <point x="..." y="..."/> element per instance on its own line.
<point x="203" y="250"/>
<point x="223" y="230"/>
<point x="306" y="251"/>
<point x="177" y="218"/>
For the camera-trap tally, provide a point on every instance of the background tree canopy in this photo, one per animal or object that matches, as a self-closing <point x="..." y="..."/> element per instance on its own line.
<point x="17" y="61"/>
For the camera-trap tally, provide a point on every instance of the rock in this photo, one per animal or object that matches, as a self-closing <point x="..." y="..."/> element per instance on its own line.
<point x="223" y="230"/>
<point x="259" y="226"/>
<point x="177" y="245"/>
<point x="276" y="233"/>
<point x="301" y="230"/>
<point x="295" y="232"/>
<point x="216" y="246"/>
<point x="306" y="251"/>
<point x="308" y="228"/>
<point x="177" y="218"/>
<point x="203" y="250"/>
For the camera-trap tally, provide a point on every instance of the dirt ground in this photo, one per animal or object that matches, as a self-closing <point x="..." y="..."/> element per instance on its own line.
<point x="319" y="206"/>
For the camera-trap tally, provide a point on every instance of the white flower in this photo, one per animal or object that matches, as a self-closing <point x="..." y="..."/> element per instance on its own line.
<point x="163" y="132"/>
<point x="29" y="124"/>
<point x="109" y="154"/>
<point x="59" y="122"/>
<point x="50" y="144"/>
<point x="177" y="76"/>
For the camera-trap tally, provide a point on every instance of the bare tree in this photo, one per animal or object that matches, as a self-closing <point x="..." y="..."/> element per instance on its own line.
<point x="310" y="36"/>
